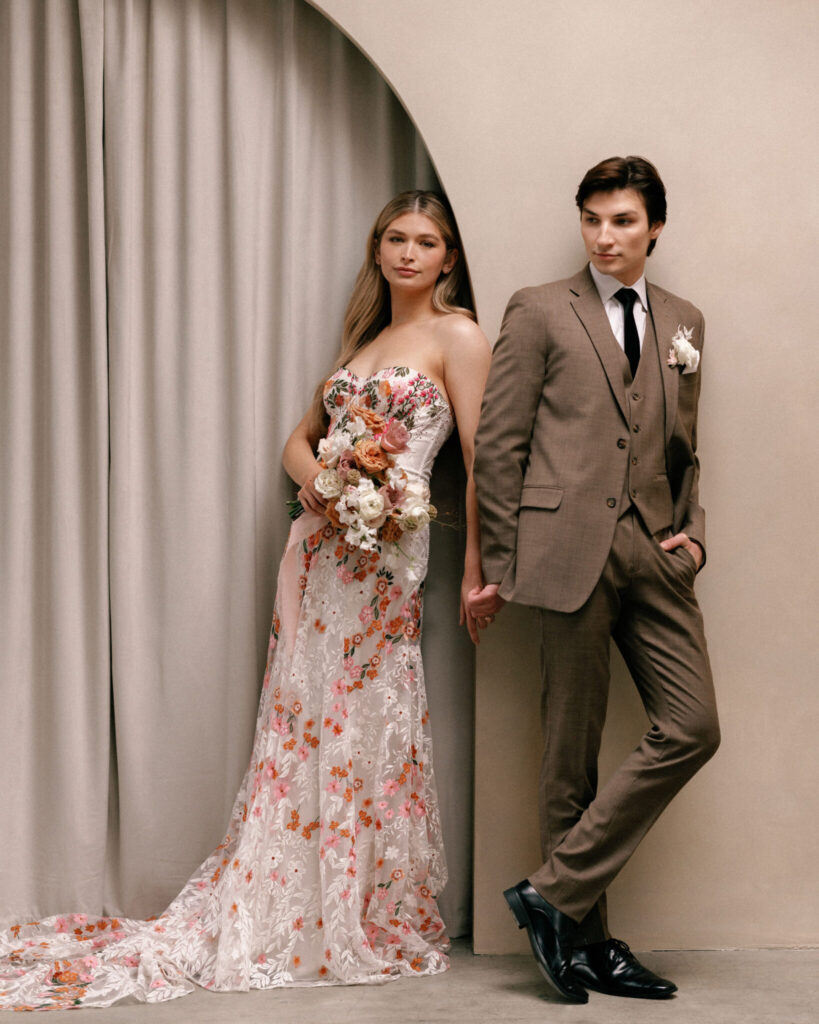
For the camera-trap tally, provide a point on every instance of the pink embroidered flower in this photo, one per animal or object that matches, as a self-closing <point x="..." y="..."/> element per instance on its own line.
<point x="62" y="925"/>
<point x="338" y="687"/>
<point x="391" y="787"/>
<point x="405" y="808"/>
<point x="366" y="614"/>
<point x="303" y="753"/>
<point x="281" y="789"/>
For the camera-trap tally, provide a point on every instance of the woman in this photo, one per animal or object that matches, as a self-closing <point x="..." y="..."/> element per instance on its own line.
<point x="333" y="858"/>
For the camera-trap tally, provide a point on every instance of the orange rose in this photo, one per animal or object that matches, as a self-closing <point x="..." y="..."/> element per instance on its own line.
<point x="372" y="421"/>
<point x="370" y="456"/>
<point x="391" y="532"/>
<point x="331" y="513"/>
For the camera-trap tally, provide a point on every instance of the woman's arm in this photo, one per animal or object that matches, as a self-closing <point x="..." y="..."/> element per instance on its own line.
<point x="300" y="463"/>
<point x="466" y="366"/>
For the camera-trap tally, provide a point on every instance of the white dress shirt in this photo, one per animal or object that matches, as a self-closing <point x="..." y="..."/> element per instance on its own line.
<point x="607" y="286"/>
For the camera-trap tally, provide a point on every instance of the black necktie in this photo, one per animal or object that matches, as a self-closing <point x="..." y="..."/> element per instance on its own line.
<point x="627" y="297"/>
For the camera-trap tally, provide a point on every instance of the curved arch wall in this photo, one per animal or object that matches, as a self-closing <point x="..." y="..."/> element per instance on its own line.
<point x="515" y="101"/>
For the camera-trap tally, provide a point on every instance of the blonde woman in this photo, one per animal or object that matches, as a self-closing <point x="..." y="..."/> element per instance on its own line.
<point x="333" y="857"/>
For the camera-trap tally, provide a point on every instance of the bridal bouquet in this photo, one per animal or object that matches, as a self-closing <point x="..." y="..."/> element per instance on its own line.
<point x="364" y="489"/>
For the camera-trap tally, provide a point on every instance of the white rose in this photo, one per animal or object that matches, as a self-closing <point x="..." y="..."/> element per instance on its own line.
<point x="329" y="484"/>
<point x="371" y="506"/>
<point x="416" y="517"/>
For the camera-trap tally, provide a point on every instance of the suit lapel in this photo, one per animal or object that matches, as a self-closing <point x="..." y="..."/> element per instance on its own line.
<point x="585" y="301"/>
<point x="664" y="328"/>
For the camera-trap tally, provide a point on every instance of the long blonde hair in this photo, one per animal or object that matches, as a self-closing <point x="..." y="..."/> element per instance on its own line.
<point x="369" y="310"/>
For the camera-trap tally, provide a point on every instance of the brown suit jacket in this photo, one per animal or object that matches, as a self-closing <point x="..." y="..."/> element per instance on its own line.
<point x="547" y="460"/>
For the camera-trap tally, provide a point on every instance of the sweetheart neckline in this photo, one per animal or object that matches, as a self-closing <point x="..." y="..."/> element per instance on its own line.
<point x="410" y="369"/>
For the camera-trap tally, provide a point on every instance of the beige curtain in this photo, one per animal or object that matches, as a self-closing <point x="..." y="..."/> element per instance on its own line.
<point x="187" y="187"/>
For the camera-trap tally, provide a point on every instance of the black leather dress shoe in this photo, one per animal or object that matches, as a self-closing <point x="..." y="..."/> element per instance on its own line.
<point x="550" y="933"/>
<point x="610" y="967"/>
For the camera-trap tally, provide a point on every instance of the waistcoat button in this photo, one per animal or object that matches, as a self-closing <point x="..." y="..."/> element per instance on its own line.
<point x="621" y="442"/>
<point x="611" y="502"/>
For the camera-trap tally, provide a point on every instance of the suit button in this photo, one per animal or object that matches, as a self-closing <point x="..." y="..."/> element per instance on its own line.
<point x="611" y="502"/>
<point x="634" y="460"/>
<point x="636" y="428"/>
<point x="635" y="397"/>
<point x="622" y="442"/>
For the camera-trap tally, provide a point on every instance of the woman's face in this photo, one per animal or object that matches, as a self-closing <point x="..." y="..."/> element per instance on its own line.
<point x="412" y="252"/>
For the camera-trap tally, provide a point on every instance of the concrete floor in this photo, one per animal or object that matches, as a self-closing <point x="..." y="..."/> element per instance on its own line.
<point x="725" y="987"/>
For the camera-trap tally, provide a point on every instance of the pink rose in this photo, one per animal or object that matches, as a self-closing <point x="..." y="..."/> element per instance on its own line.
<point x="395" y="438"/>
<point x="390" y="496"/>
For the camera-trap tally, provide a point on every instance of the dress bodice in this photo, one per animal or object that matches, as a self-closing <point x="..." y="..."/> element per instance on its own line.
<point x="401" y="393"/>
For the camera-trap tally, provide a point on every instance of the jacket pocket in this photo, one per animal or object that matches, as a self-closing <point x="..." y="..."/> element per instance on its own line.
<point x="537" y="496"/>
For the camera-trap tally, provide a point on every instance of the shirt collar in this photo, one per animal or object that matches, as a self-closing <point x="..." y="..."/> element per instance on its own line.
<point x="607" y="285"/>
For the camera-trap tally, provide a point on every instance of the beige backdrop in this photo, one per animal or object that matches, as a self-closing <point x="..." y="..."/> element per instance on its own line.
<point x="515" y="100"/>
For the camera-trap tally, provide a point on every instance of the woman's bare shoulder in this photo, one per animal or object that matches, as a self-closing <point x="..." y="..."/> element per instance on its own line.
<point x="459" y="330"/>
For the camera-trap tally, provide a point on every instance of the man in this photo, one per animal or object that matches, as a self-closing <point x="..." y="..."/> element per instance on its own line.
<point x="587" y="480"/>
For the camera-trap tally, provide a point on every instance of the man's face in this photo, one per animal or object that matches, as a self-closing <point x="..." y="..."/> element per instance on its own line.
<point x="617" y="234"/>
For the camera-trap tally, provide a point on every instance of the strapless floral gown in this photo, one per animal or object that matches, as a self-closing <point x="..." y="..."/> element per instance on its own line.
<point x="333" y="858"/>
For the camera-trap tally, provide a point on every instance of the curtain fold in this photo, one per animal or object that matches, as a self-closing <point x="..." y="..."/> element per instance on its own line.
<point x="191" y="184"/>
<point x="54" y="661"/>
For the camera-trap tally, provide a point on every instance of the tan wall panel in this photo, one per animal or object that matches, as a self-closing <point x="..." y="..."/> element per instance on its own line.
<point x="515" y="100"/>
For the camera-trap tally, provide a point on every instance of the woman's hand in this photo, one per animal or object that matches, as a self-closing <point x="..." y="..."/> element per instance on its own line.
<point x="309" y="496"/>
<point x="471" y="617"/>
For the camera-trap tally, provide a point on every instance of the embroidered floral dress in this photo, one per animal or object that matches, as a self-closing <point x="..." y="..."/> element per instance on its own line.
<point x="333" y="858"/>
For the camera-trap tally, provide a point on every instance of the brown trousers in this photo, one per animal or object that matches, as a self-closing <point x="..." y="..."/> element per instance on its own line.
<point x="645" y="601"/>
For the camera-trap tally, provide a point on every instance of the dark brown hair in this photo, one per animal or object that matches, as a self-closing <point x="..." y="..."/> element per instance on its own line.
<point x="633" y="172"/>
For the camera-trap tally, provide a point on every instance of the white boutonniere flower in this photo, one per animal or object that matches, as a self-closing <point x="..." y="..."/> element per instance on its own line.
<point x="682" y="353"/>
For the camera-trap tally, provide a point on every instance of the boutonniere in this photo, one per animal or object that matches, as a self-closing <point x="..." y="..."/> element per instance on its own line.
<point x="682" y="353"/>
